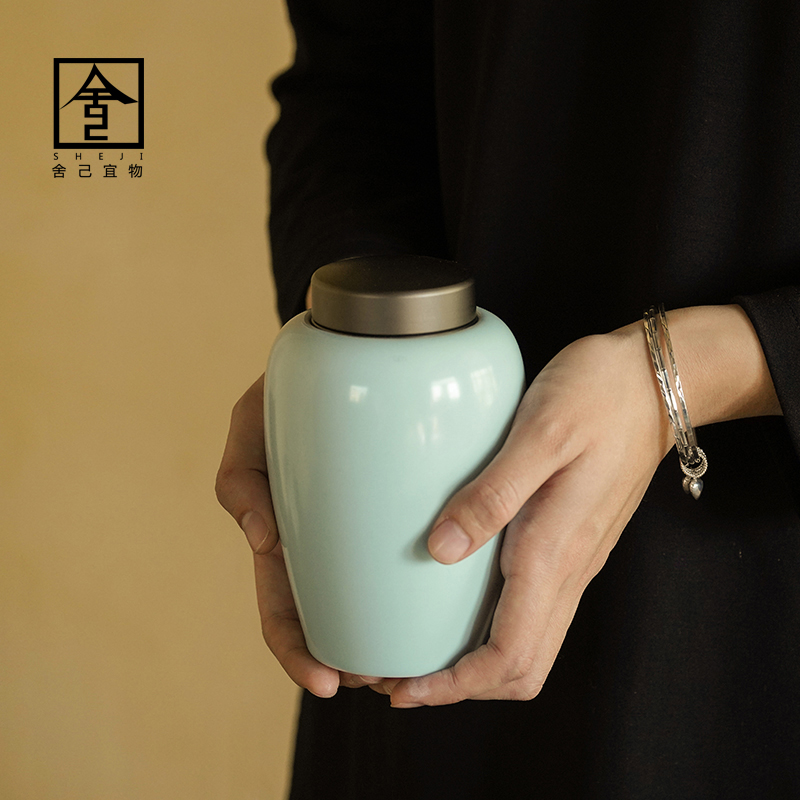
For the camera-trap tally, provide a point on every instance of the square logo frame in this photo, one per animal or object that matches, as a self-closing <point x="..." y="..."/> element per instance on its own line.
<point x="109" y="94"/>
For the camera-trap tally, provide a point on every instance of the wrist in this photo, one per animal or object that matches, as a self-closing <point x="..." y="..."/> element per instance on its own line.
<point x="721" y="364"/>
<point x="635" y="356"/>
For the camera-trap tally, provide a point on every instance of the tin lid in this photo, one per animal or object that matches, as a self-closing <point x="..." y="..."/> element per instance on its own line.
<point x="392" y="296"/>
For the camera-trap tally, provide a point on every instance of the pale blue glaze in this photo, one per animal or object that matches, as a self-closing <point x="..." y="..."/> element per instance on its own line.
<point x="367" y="438"/>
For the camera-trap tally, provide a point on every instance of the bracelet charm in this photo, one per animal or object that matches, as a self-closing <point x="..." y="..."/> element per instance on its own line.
<point x="693" y="483"/>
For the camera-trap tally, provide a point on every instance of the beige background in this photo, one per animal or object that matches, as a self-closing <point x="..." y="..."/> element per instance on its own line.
<point x="133" y="313"/>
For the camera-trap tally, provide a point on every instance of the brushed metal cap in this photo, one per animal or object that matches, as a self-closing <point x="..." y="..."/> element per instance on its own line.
<point x="392" y="296"/>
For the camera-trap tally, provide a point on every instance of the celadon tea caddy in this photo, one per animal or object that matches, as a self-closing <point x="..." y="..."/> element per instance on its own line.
<point x="383" y="400"/>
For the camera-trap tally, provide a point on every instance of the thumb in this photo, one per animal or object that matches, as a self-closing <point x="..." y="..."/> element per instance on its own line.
<point x="482" y="508"/>
<point x="242" y="485"/>
<point x="473" y="516"/>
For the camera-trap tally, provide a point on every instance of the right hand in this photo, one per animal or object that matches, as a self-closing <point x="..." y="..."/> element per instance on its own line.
<point x="243" y="490"/>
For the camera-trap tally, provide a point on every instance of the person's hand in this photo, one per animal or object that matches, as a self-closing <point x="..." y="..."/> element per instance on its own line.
<point x="584" y="445"/>
<point x="243" y="490"/>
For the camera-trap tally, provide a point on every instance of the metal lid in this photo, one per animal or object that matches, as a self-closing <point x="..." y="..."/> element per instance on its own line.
<point x="392" y="296"/>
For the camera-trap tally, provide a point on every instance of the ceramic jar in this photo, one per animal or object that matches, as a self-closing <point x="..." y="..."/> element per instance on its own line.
<point x="383" y="400"/>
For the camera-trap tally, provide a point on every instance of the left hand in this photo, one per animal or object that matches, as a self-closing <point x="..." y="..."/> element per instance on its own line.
<point x="585" y="443"/>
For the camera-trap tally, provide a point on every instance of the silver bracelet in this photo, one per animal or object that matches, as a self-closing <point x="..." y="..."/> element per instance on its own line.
<point x="693" y="460"/>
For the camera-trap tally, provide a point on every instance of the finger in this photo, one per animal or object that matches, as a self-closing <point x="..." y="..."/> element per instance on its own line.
<point x="551" y="552"/>
<point x="534" y="450"/>
<point x="505" y="659"/>
<point x="528" y="686"/>
<point x="513" y="665"/>
<point x="243" y="490"/>
<point x="242" y="484"/>
<point x="281" y="628"/>
<point x="351" y="681"/>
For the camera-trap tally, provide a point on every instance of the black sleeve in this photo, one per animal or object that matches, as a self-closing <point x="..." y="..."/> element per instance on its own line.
<point x="353" y="155"/>
<point x="776" y="318"/>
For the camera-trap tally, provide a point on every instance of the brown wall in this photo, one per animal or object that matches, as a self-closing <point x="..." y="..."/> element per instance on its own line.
<point x="133" y="312"/>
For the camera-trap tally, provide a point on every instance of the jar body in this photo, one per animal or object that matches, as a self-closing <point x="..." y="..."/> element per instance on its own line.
<point x="367" y="438"/>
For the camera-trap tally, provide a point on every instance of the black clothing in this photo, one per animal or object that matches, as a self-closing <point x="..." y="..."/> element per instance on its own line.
<point x="583" y="160"/>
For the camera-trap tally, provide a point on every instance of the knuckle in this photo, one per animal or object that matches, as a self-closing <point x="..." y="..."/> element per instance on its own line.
<point x="518" y="668"/>
<point x="222" y="486"/>
<point x="496" y="503"/>
<point x="515" y="666"/>
<point x="555" y="435"/>
<point x="266" y="635"/>
<point x="225" y="489"/>
<point x="455" y="687"/>
<point x="521" y="678"/>
<point x="271" y="625"/>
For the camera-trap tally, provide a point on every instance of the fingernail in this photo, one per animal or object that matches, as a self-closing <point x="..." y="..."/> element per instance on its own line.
<point x="255" y="529"/>
<point x="326" y="694"/>
<point x="411" y="690"/>
<point x="448" y="543"/>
